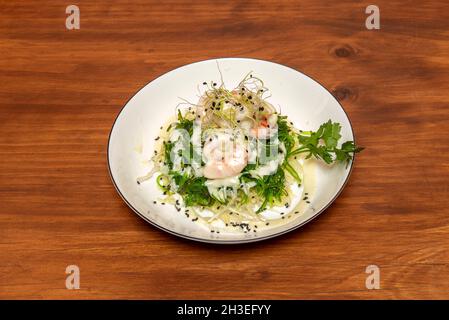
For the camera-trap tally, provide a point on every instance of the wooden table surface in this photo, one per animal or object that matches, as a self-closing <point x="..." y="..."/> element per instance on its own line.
<point x="62" y="89"/>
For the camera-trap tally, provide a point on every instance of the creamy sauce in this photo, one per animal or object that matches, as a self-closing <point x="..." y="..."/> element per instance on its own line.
<point x="267" y="169"/>
<point x="215" y="184"/>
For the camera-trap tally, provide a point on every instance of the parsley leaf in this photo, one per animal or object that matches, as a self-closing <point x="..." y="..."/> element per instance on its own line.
<point x="331" y="134"/>
<point x="322" y="144"/>
<point x="344" y="154"/>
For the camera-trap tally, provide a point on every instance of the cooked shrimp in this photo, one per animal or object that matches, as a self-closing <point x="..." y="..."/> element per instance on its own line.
<point x="224" y="155"/>
<point x="265" y="128"/>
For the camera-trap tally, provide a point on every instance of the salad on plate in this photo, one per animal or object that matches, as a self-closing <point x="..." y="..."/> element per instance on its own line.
<point x="232" y="160"/>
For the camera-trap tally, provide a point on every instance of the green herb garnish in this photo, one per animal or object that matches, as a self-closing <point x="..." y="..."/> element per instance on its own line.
<point x="168" y="146"/>
<point x="284" y="133"/>
<point x="322" y="144"/>
<point x="193" y="190"/>
<point x="184" y="123"/>
<point x="271" y="188"/>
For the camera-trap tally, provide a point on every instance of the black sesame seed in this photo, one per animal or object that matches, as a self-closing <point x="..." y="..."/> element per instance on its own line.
<point x="204" y="83"/>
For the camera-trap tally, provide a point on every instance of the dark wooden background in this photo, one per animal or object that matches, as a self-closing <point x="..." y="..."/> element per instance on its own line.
<point x="61" y="90"/>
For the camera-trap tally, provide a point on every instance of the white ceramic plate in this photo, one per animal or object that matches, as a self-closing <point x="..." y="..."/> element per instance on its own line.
<point x="131" y="142"/>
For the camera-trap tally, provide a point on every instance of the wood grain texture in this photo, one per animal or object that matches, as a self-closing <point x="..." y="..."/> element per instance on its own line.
<point x="61" y="91"/>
